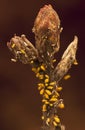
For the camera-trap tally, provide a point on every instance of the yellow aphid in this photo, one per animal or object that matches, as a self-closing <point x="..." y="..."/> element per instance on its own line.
<point x="57" y="94"/>
<point x="44" y="108"/>
<point x="59" y="89"/>
<point x="22" y="51"/>
<point x="41" y="76"/>
<point x="34" y="69"/>
<point x="38" y="69"/>
<point x="42" y="117"/>
<point x="67" y="77"/>
<point x="54" y="123"/>
<point x="37" y="75"/>
<point x="53" y="83"/>
<point x="46" y="84"/>
<point x="54" y="60"/>
<point x="48" y="121"/>
<point x="56" y="118"/>
<point x="46" y="80"/>
<point x="42" y="67"/>
<point x="48" y="92"/>
<point x="50" y="87"/>
<point x="31" y="61"/>
<point x="41" y="91"/>
<point x="40" y="85"/>
<point x="61" y="105"/>
<point x="47" y="76"/>
<point x="54" y="96"/>
<point x="13" y="45"/>
<point x="75" y="62"/>
<point x="51" y="104"/>
<point x="46" y="103"/>
<point x="53" y="99"/>
<point x="46" y="96"/>
<point x="44" y="100"/>
<point x="13" y="60"/>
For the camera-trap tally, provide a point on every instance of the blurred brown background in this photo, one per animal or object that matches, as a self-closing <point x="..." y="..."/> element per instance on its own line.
<point x="20" y="102"/>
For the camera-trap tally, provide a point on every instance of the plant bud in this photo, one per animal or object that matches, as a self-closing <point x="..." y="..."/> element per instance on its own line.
<point x="22" y="49"/>
<point x="47" y="30"/>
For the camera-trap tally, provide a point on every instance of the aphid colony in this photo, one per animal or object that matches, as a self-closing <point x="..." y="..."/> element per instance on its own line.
<point x="48" y="88"/>
<point x="50" y="94"/>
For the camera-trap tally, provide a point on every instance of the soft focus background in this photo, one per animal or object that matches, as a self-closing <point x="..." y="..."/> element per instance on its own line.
<point x="20" y="102"/>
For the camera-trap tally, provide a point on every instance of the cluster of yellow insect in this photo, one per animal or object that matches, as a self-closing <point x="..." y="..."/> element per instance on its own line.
<point x="49" y="91"/>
